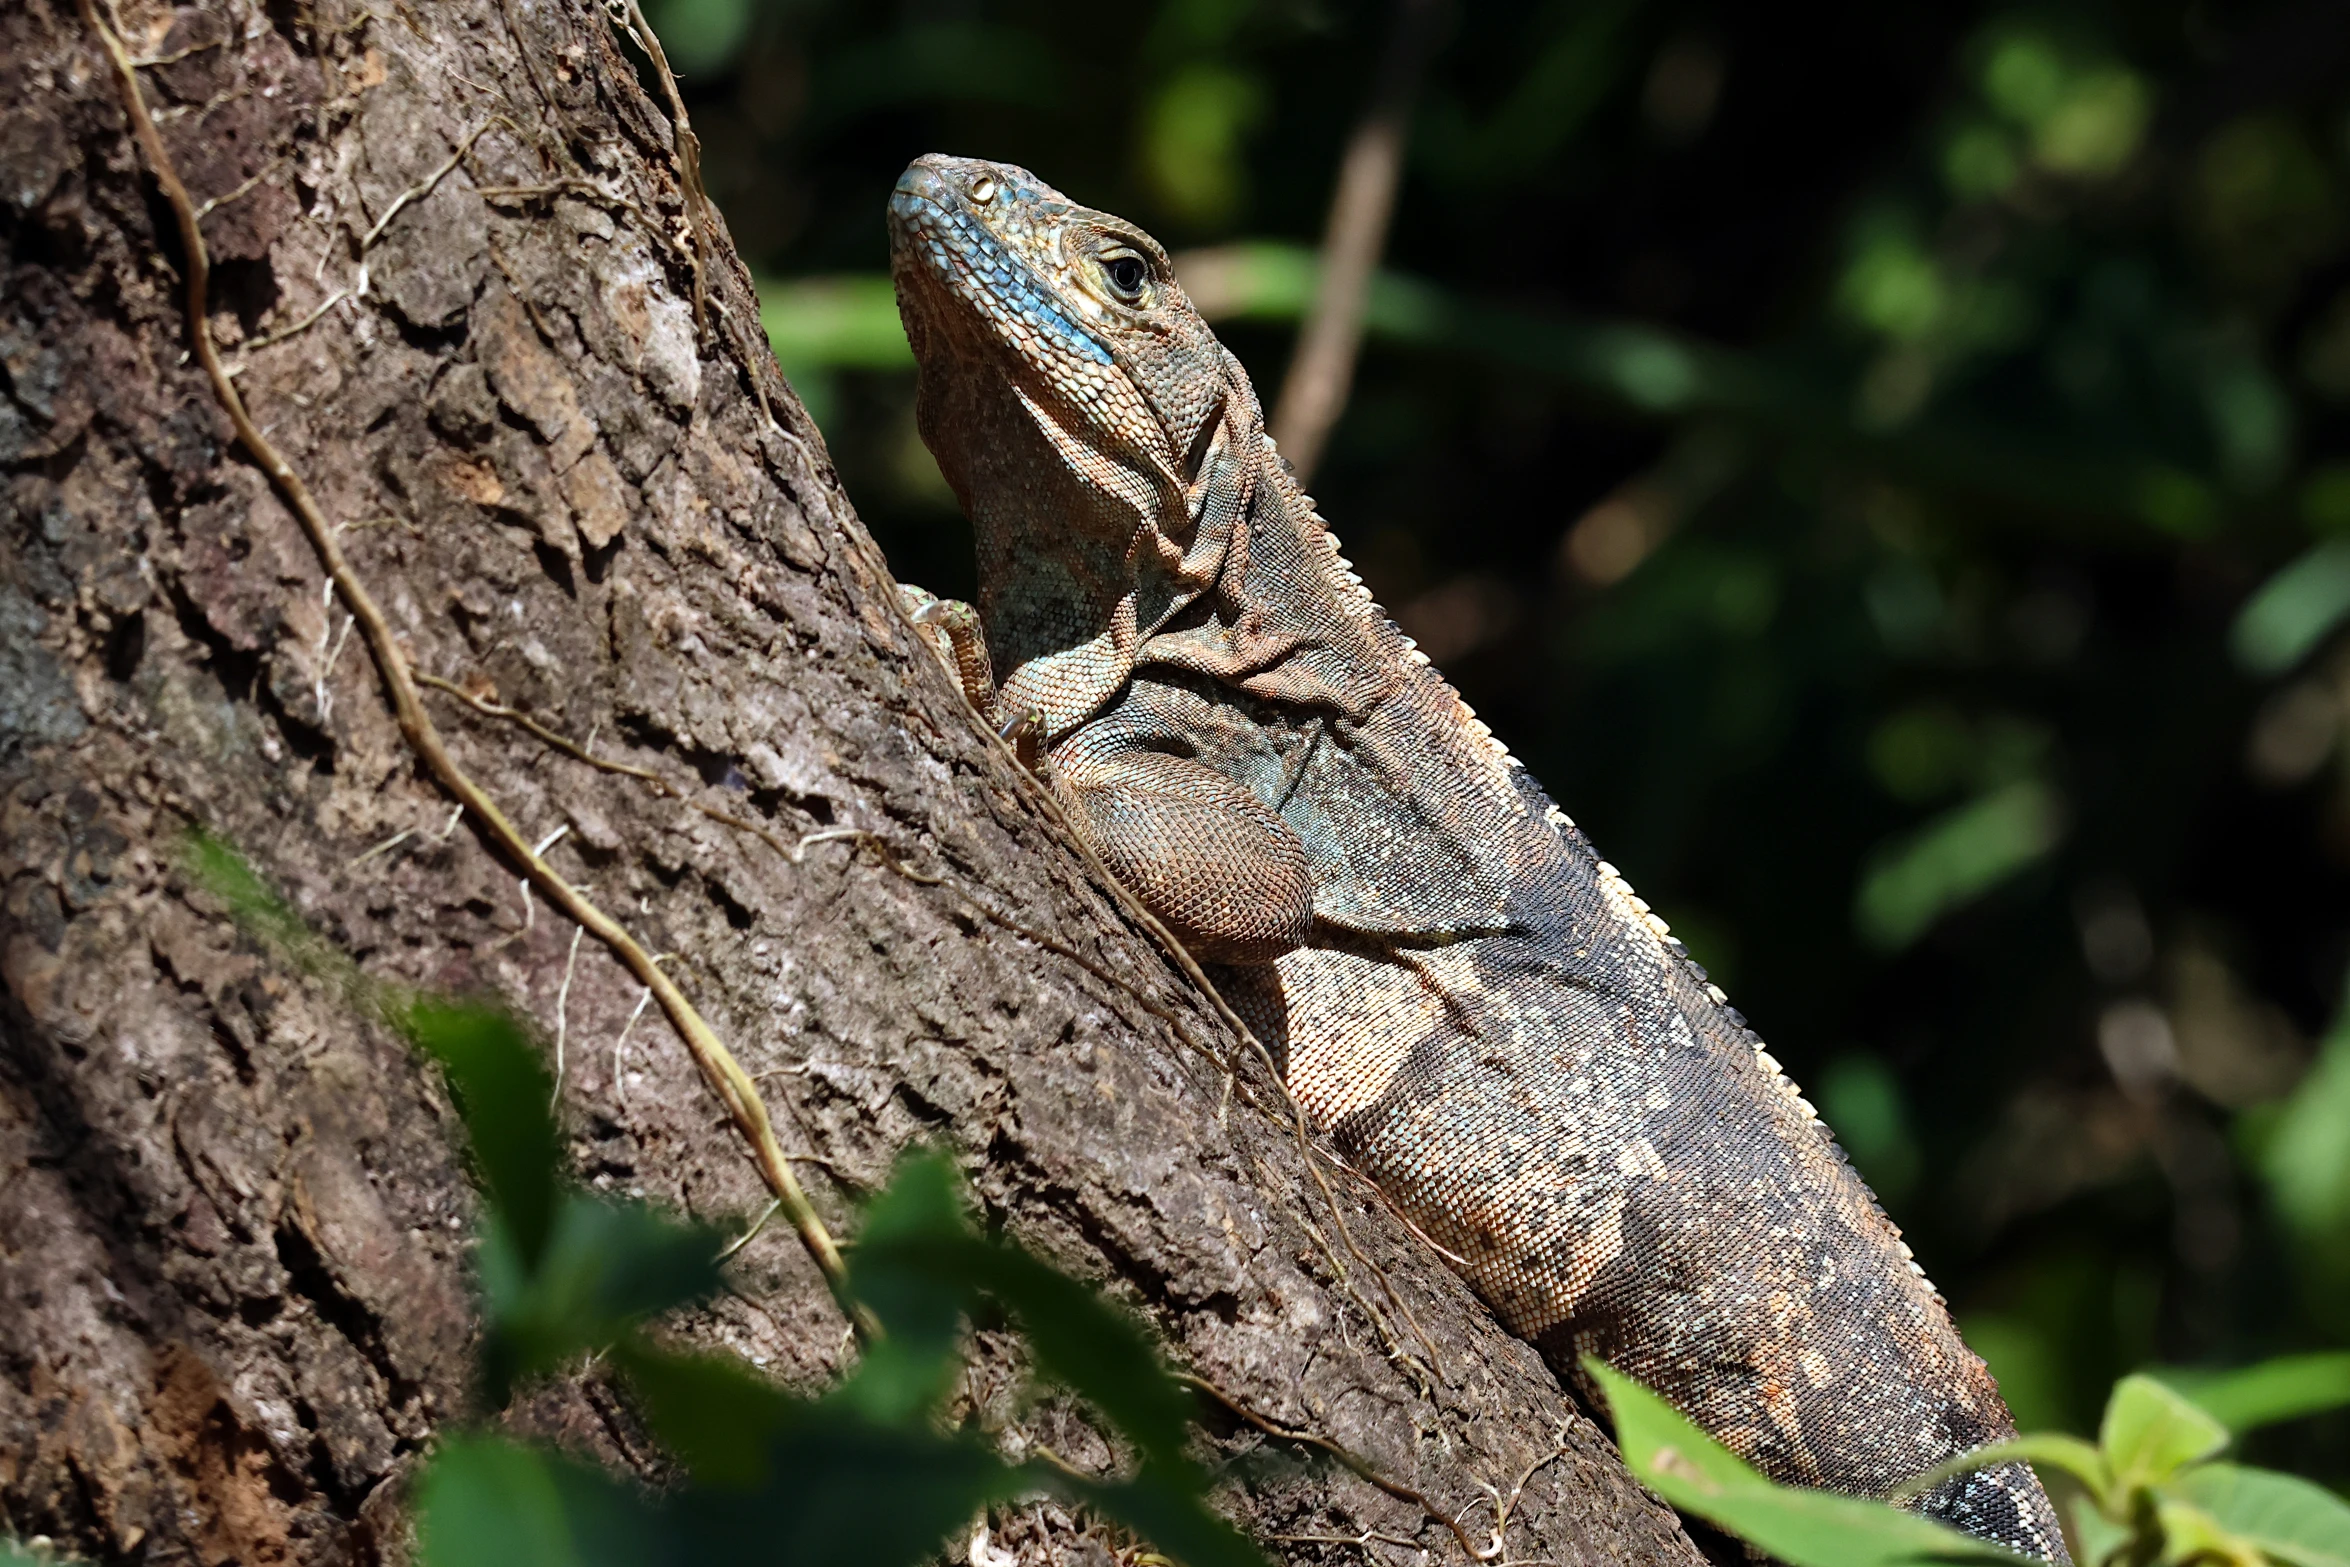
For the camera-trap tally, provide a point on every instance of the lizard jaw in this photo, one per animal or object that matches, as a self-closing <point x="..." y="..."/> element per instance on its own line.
<point x="940" y="245"/>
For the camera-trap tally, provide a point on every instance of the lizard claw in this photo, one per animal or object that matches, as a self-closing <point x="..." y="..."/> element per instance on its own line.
<point x="1024" y="733"/>
<point x="952" y="629"/>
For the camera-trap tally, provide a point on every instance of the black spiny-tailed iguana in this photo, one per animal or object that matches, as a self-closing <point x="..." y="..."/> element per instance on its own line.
<point x="1460" y="991"/>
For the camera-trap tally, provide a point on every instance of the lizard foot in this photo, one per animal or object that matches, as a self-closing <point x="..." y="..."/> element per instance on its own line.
<point x="1024" y="733"/>
<point x="951" y="627"/>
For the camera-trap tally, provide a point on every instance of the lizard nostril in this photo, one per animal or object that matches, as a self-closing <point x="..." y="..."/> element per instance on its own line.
<point x="983" y="189"/>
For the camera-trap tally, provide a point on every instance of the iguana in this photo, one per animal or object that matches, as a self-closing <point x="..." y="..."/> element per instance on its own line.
<point x="1459" y="991"/>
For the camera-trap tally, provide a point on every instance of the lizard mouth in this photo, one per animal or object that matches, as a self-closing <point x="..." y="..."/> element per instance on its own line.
<point x="961" y="275"/>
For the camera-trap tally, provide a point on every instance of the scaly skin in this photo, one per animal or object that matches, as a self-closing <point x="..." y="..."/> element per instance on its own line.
<point x="1461" y="992"/>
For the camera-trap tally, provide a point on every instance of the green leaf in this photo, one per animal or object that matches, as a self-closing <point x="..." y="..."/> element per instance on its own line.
<point x="1957" y="857"/>
<point x="1097" y="1351"/>
<point x="1803" y="1528"/>
<point x="606" y="1267"/>
<point x="916" y="1248"/>
<point x="2307" y="1156"/>
<point x="2096" y="1538"/>
<point x="2149" y="1433"/>
<point x="851" y="1491"/>
<point x="1079" y="1339"/>
<point x="2053" y="1449"/>
<point x="712" y="1411"/>
<point x="2290" y="1518"/>
<point x="491" y="1503"/>
<point x="844" y="1492"/>
<point x="914" y="1366"/>
<point x="2286" y="1388"/>
<point x="2293" y="611"/>
<point x="2189" y="1534"/>
<point x="504" y="1094"/>
<point x="1169" y="1512"/>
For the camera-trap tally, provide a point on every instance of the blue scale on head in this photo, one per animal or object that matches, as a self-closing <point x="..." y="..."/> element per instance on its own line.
<point x="959" y="244"/>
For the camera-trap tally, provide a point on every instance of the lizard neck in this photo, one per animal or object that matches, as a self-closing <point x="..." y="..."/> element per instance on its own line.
<point x="1085" y="549"/>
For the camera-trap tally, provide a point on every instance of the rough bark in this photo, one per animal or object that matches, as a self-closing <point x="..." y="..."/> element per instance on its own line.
<point x="233" y="1228"/>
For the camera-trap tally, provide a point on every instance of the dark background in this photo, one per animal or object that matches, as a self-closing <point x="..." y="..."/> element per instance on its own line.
<point x="1881" y="466"/>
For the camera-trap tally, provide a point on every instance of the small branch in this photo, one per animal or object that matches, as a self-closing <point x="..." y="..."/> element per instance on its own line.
<point x="563" y="1011"/>
<point x="516" y="716"/>
<point x="150" y="61"/>
<point x="585" y="189"/>
<point x="1378" y="1194"/>
<point x="425" y="187"/>
<point x="385" y="847"/>
<point x="620" y="1045"/>
<point x="271" y="339"/>
<point x="1503" y="1506"/>
<point x="547" y="100"/>
<point x="750" y="347"/>
<point x="1364" y="1540"/>
<point x="1314" y="391"/>
<point x="751" y="1234"/>
<point x="174" y="113"/>
<point x="243" y="188"/>
<point x="570" y="748"/>
<point x="719" y="1068"/>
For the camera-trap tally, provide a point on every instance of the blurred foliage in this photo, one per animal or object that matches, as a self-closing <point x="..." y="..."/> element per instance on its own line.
<point x="2151" y="1489"/>
<point x="1884" y="468"/>
<point x="867" y="1472"/>
<point x="1803" y="1528"/>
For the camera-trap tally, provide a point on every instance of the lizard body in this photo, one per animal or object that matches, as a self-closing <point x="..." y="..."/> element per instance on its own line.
<point x="1473" y="1004"/>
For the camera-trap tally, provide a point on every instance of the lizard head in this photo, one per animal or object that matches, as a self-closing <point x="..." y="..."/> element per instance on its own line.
<point x="1081" y="409"/>
<point x="1078" y="308"/>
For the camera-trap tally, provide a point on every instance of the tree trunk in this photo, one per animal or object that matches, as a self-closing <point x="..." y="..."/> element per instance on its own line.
<point x="453" y="280"/>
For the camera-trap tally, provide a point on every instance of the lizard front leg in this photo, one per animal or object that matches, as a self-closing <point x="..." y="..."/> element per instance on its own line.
<point x="1214" y="864"/>
<point x="1217" y="866"/>
<point x="952" y="629"/>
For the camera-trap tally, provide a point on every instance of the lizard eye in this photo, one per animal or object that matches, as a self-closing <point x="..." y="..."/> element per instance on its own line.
<point x="1127" y="273"/>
